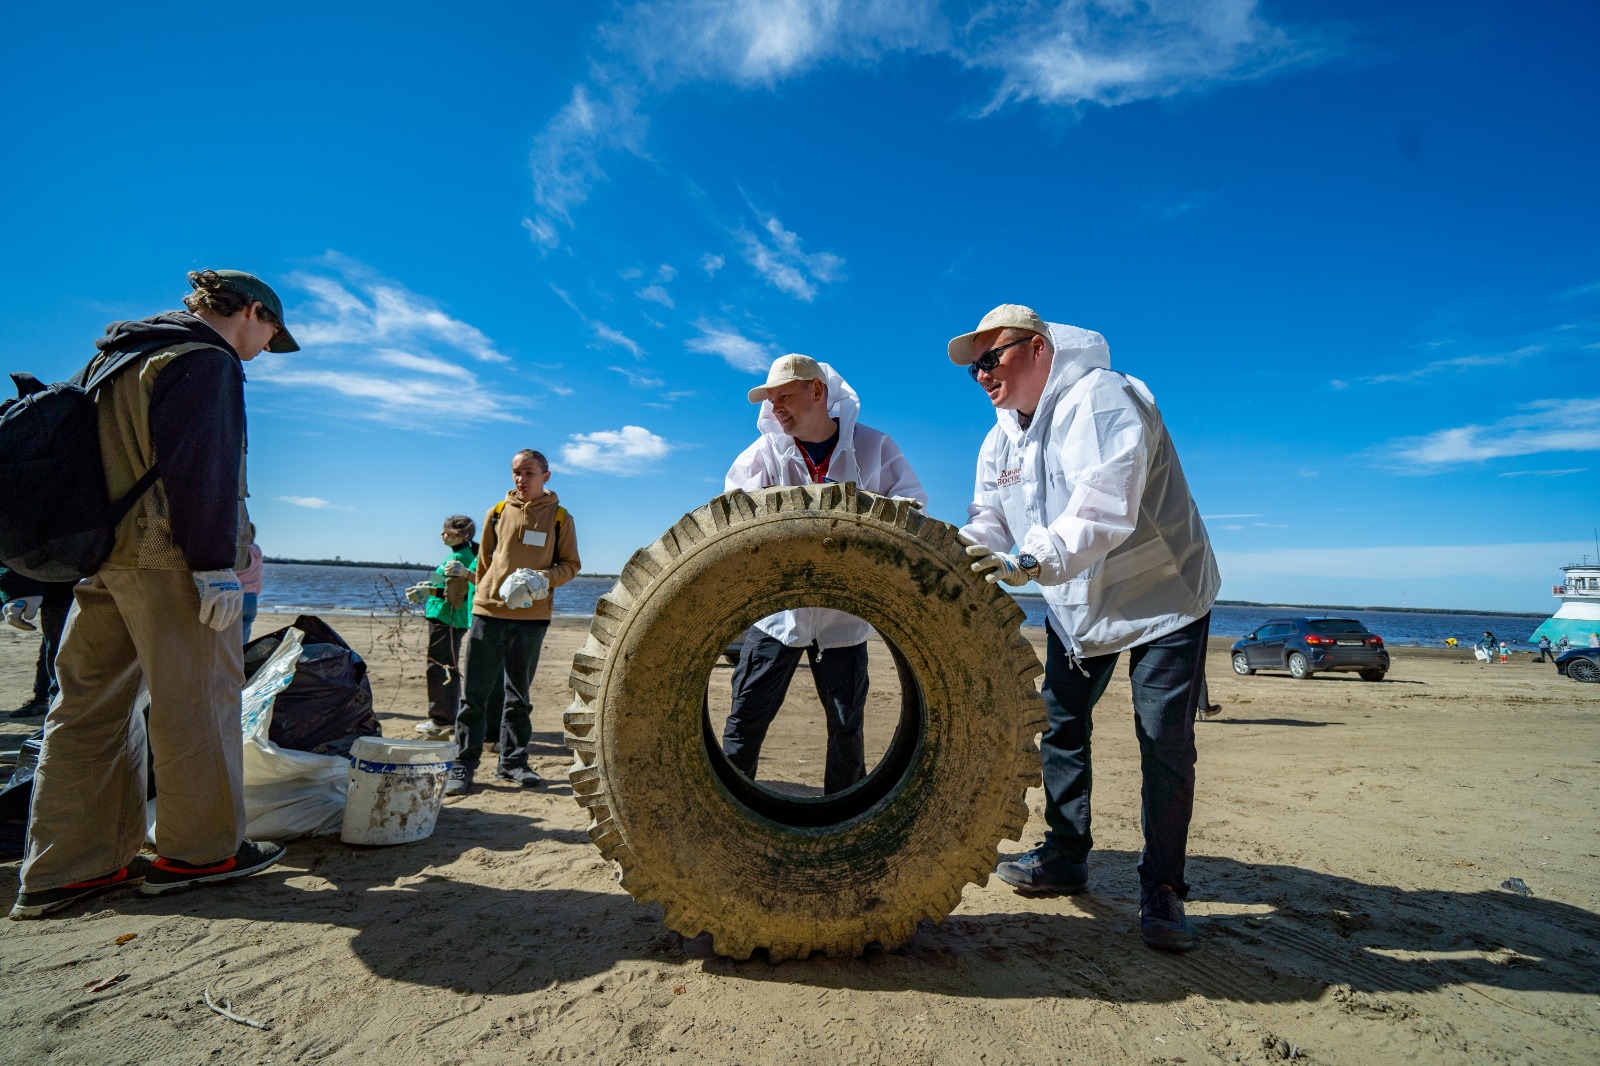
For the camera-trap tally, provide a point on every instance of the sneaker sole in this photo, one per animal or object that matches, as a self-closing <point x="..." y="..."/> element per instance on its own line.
<point x="156" y="888"/>
<point x="21" y="913"/>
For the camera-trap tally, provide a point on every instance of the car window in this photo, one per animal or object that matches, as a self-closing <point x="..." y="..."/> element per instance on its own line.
<point x="1277" y="629"/>
<point x="1336" y="625"/>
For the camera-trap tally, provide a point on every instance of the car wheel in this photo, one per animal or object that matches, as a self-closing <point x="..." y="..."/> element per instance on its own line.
<point x="1372" y="675"/>
<point x="1299" y="669"/>
<point x="1583" y="670"/>
<point x="1241" y="665"/>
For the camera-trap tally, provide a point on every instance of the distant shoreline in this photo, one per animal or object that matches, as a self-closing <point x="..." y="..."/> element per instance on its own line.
<point x="1320" y="608"/>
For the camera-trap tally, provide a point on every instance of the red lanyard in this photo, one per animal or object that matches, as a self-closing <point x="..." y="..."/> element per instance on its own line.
<point x="819" y="471"/>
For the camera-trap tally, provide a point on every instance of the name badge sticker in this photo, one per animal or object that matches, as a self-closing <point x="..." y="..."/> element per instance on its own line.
<point x="534" y="537"/>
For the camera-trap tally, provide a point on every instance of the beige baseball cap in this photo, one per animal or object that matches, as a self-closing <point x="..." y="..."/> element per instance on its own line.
<point x="1006" y="316"/>
<point x="786" y="369"/>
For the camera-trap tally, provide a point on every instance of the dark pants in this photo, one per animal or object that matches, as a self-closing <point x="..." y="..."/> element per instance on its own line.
<point x="444" y="672"/>
<point x="51" y="621"/>
<point x="1166" y="674"/>
<point x="761" y="681"/>
<point x="498" y="652"/>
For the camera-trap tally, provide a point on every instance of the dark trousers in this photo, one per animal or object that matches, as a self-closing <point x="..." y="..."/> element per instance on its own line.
<point x="1167" y="674"/>
<point x="444" y="672"/>
<point x="761" y="681"/>
<point x="501" y="653"/>
<point x="51" y="622"/>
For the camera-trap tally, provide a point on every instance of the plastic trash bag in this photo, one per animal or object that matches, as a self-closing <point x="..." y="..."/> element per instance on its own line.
<point x="15" y="797"/>
<point x="329" y="702"/>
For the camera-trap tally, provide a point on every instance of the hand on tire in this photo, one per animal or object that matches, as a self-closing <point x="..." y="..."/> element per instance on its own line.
<point x="996" y="566"/>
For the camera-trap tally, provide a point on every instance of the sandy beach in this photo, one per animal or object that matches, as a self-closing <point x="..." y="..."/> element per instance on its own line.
<point x="1348" y="852"/>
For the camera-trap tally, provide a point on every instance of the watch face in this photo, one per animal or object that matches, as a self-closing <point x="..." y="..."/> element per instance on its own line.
<point x="1027" y="562"/>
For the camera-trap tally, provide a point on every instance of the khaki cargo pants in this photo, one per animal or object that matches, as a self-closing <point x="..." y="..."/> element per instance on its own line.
<point x="88" y="813"/>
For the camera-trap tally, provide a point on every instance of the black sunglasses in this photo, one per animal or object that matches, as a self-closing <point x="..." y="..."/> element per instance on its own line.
<point x="991" y="358"/>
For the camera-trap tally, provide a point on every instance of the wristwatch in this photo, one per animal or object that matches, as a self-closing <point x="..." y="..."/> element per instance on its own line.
<point x="1029" y="566"/>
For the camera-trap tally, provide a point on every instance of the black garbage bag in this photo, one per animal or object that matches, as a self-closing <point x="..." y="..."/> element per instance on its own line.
<point x="15" y="797"/>
<point x="328" y="705"/>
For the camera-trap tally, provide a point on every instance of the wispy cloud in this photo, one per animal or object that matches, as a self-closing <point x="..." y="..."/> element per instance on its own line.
<point x="313" y="503"/>
<point x="1545" y="473"/>
<point x="735" y="349"/>
<point x="626" y="451"/>
<point x="1543" y="426"/>
<point x="607" y="335"/>
<point x="637" y="378"/>
<point x="1443" y="366"/>
<point x="776" y="255"/>
<point x="1059" y="55"/>
<point x="711" y="264"/>
<point x="656" y="294"/>
<point x="379" y="351"/>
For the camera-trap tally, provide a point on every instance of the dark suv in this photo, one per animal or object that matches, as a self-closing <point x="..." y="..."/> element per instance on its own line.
<point x="1306" y="646"/>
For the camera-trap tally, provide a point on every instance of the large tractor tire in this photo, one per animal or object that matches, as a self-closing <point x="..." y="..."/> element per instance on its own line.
<point x="755" y="869"/>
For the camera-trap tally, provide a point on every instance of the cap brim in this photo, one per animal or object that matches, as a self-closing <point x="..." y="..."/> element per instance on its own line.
<point x="284" y="342"/>
<point x="759" y="393"/>
<point x="961" y="348"/>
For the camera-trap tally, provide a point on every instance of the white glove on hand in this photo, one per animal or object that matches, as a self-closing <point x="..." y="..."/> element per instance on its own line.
<point x="21" y="612"/>
<point x="419" y="592"/>
<point x="906" y="499"/>
<point x="455" y="568"/>
<point x="523" y="587"/>
<point x="996" y="566"/>
<point x="221" y="597"/>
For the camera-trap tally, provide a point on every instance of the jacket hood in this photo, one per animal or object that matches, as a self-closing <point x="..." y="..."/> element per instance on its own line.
<point x="549" y="499"/>
<point x="1077" y="351"/>
<point x="164" y="330"/>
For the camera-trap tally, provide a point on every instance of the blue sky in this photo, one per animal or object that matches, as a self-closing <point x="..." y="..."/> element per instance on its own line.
<point x="1354" y="250"/>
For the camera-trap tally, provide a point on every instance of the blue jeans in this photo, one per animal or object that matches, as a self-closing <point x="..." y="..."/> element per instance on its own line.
<point x="247" y="617"/>
<point x="1167" y="674"/>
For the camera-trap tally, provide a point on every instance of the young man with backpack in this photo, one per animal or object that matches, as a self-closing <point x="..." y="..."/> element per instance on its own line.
<point x="163" y="606"/>
<point x="528" y="548"/>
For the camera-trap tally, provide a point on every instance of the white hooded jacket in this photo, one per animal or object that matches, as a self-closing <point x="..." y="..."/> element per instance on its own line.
<point x="864" y="455"/>
<point x="1094" y="491"/>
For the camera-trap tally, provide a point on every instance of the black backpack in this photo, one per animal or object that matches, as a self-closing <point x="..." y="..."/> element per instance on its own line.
<point x="57" y="521"/>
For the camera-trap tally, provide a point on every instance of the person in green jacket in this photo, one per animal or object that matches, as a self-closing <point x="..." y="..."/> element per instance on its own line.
<point x="449" y="611"/>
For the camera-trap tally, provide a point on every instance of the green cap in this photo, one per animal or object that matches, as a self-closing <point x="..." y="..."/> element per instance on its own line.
<point x="260" y="292"/>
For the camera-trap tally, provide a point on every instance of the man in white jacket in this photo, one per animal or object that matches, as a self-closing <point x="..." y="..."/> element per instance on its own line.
<point x="1080" y="475"/>
<point x="809" y="434"/>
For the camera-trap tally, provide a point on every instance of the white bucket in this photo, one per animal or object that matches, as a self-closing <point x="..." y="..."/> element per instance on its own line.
<point x="396" y="789"/>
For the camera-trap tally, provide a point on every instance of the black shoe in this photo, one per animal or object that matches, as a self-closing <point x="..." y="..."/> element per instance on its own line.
<point x="1162" y="923"/>
<point x="172" y="875"/>
<point x="520" y="775"/>
<point x="39" y="904"/>
<point x="1205" y="714"/>
<point x="31" y="709"/>
<point x="1039" y="873"/>
<point x="459" y="783"/>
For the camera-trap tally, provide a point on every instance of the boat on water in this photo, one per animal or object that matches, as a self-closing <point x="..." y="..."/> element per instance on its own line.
<point x="1579" y="613"/>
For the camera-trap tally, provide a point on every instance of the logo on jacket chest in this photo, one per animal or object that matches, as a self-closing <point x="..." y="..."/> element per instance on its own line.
<point x="1010" y="477"/>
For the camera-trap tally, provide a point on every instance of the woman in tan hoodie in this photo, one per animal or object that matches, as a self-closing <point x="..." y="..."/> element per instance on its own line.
<point x="528" y="532"/>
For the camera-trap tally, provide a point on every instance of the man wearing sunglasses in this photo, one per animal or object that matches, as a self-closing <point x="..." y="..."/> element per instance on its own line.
<point x="1081" y="477"/>
<point x="163" y="608"/>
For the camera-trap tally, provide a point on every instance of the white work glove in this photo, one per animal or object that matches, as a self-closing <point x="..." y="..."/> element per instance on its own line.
<point x="523" y="587"/>
<point x="21" y="612"/>
<point x="456" y="568"/>
<point x="996" y="566"/>
<point x="419" y="592"/>
<point x="221" y="597"/>
<point x="906" y="499"/>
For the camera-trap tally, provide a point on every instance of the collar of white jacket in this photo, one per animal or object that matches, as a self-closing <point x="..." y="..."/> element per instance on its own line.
<point x="1077" y="351"/>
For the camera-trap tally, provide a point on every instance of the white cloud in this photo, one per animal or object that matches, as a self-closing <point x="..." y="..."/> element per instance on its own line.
<point x="542" y="232"/>
<point x="1440" y="366"/>
<point x="314" y="503"/>
<point x="711" y="264"/>
<point x="737" y="350"/>
<point x="779" y="259"/>
<point x="656" y="294"/>
<point x="666" y="272"/>
<point x="1545" y="426"/>
<point x="376" y="350"/>
<point x="354" y="305"/>
<point x="1545" y="473"/>
<point x="626" y="451"/>
<point x="608" y="335"/>
<point x="639" y="379"/>
<point x="564" y="162"/>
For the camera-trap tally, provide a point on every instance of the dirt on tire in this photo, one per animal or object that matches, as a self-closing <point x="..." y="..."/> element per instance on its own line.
<point x="795" y="876"/>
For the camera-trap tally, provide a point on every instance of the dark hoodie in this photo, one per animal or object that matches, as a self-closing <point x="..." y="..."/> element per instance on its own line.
<point x="198" y="430"/>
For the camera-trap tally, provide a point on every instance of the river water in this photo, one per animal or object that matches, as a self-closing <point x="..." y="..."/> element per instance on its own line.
<point x="293" y="588"/>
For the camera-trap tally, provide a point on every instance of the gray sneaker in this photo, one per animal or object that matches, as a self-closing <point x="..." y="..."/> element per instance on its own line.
<point x="520" y="775"/>
<point x="1040" y="873"/>
<point x="1162" y="923"/>
<point x="459" y="783"/>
